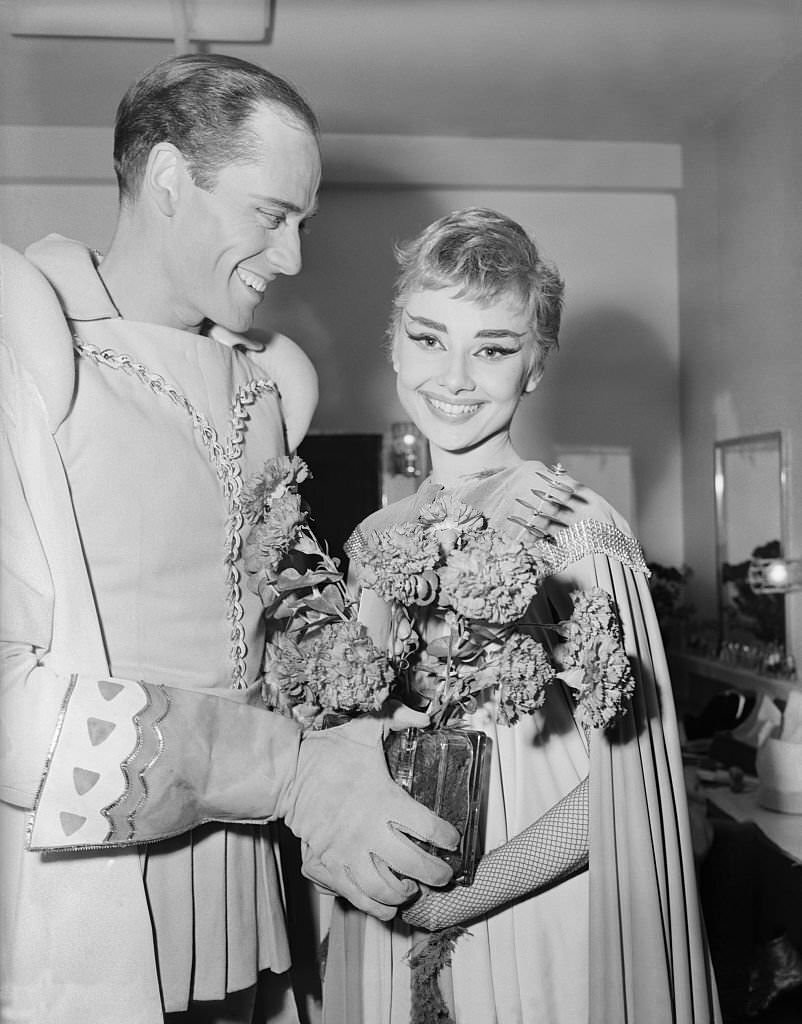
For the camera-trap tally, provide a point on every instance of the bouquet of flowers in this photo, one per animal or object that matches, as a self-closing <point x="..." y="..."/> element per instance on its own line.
<point x="319" y="659"/>
<point x="459" y="590"/>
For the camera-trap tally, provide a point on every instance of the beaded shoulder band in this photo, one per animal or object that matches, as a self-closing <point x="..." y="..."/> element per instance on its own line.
<point x="560" y="543"/>
<point x="355" y="545"/>
<point x="590" y="537"/>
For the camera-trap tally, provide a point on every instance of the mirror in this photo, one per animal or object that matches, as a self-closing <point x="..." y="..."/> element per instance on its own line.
<point x="750" y="521"/>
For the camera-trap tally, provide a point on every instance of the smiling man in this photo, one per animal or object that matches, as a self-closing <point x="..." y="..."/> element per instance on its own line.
<point x="139" y="769"/>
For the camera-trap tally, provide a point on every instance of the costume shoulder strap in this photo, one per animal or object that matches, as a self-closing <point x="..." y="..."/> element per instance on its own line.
<point x="591" y="537"/>
<point x="354" y="545"/>
<point x="34" y="330"/>
<point x="570" y="521"/>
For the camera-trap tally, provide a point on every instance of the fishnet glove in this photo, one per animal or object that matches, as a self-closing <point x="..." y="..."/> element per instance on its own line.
<point x="553" y="847"/>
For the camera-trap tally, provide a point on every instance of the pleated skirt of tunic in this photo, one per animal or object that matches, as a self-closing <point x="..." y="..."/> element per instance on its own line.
<point x="216" y="905"/>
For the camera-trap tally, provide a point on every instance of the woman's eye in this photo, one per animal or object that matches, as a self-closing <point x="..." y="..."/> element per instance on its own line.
<point x="424" y="340"/>
<point x="494" y="352"/>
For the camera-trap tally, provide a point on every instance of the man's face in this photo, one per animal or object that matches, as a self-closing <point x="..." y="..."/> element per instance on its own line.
<point x="227" y="245"/>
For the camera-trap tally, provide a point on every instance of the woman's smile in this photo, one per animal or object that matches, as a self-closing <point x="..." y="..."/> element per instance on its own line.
<point x="451" y="409"/>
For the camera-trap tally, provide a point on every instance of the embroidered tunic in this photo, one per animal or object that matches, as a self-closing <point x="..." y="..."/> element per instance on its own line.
<point x="162" y="427"/>
<point x="621" y="942"/>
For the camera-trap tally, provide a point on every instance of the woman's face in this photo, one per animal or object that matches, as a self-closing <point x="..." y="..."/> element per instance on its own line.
<point x="462" y="366"/>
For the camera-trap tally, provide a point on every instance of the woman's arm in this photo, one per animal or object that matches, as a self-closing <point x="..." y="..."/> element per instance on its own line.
<point x="548" y="851"/>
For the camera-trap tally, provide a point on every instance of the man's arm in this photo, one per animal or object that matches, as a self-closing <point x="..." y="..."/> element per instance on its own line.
<point x="105" y="762"/>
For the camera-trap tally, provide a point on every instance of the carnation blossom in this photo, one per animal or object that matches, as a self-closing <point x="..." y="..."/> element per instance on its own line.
<point x="491" y="578"/>
<point x="524" y="672"/>
<point x="397" y="563"/>
<point x="344" y="670"/>
<point x="319" y="657"/>
<point x="594" y="645"/>
<point x="279" y="476"/>
<point x="449" y="519"/>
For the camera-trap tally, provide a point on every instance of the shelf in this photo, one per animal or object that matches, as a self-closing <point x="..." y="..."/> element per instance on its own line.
<point x="683" y="665"/>
<point x="784" y="830"/>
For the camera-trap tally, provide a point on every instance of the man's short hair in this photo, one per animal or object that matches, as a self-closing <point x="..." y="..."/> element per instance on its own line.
<point x="201" y="103"/>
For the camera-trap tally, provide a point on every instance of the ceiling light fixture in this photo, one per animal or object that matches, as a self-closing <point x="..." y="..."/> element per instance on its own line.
<point x="235" y="21"/>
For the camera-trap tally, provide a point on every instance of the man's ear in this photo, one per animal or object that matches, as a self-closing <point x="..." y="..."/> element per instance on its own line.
<point x="164" y="175"/>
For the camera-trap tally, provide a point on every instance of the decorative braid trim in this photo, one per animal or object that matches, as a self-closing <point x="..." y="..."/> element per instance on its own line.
<point x="590" y="537"/>
<point x="148" y="749"/>
<point x="224" y="457"/>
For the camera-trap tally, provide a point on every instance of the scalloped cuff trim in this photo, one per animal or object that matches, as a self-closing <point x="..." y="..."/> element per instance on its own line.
<point x="96" y="737"/>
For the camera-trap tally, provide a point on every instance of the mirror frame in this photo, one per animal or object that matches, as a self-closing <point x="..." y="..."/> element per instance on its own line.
<point x="720" y="449"/>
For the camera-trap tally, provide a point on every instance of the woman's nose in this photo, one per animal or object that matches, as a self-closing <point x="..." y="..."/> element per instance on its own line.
<point x="456" y="374"/>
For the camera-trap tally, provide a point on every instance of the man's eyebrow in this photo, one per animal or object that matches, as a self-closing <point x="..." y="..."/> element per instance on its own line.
<point x="284" y="204"/>
<point x="489" y="332"/>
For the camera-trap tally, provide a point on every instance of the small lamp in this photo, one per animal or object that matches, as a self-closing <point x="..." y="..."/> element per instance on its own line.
<point x="775" y="575"/>
<point x="407" y="450"/>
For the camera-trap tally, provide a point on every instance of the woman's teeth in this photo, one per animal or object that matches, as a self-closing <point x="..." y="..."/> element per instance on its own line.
<point x="457" y="411"/>
<point x="258" y="284"/>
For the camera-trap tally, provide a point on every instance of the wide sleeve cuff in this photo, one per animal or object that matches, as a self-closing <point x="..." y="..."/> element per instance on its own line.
<point x="131" y="762"/>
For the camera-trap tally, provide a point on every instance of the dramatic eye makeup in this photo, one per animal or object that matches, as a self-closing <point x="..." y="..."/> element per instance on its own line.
<point x="416" y="330"/>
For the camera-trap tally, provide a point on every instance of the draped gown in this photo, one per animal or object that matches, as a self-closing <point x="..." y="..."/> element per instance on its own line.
<point x="621" y="942"/>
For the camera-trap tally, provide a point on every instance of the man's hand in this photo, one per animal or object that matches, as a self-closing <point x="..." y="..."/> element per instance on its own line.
<point x="355" y="822"/>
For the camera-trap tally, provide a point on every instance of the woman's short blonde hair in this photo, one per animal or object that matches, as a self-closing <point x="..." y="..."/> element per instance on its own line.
<point x="485" y="256"/>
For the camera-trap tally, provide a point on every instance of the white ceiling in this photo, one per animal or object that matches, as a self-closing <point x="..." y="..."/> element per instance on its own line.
<point x="647" y="70"/>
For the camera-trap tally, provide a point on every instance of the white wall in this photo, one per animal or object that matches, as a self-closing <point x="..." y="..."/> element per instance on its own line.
<point x="604" y="212"/>
<point x="614" y="382"/>
<point x="741" y="279"/>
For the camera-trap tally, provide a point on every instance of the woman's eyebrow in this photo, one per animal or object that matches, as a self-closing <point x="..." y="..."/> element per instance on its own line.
<point x="426" y="322"/>
<point x="501" y="332"/>
<point x="488" y="332"/>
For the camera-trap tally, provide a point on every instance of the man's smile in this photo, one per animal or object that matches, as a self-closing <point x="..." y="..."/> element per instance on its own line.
<point x="253" y="281"/>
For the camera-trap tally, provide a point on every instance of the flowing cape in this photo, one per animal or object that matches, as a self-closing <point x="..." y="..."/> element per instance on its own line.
<point x="648" y="957"/>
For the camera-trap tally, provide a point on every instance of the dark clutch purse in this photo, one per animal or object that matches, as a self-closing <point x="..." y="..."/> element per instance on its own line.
<point x="447" y="770"/>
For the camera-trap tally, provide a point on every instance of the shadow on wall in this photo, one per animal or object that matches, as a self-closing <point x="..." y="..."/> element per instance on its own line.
<point x="613" y="383"/>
